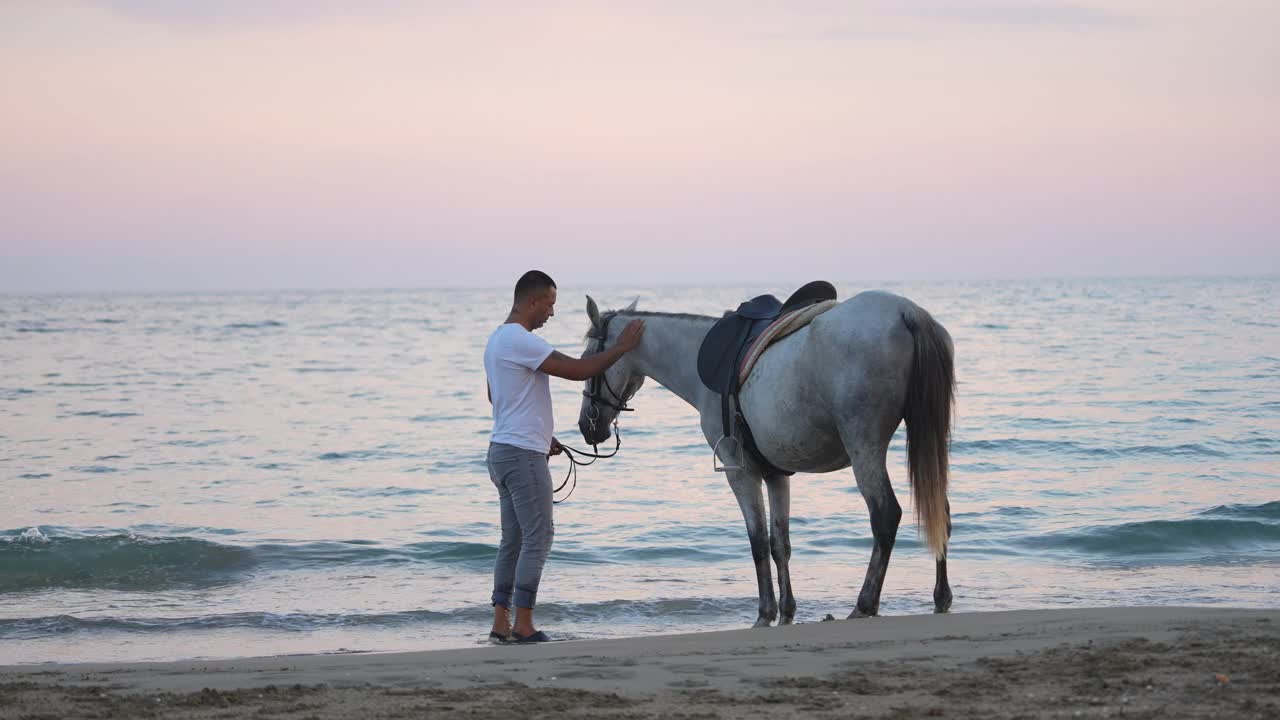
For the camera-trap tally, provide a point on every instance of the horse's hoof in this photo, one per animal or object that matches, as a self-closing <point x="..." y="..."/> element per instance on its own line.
<point x="762" y="622"/>
<point x="787" y="620"/>
<point x="859" y="614"/>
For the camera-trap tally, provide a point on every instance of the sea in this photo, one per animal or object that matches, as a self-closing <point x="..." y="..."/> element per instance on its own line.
<point x="214" y="475"/>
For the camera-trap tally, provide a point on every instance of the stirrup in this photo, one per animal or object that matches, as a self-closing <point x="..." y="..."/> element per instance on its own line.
<point x="715" y="455"/>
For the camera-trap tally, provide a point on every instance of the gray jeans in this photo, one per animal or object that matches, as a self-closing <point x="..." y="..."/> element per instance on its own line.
<point x="524" y="489"/>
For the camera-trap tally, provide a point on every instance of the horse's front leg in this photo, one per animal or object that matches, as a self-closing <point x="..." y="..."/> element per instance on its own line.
<point x="746" y="487"/>
<point x="780" y="542"/>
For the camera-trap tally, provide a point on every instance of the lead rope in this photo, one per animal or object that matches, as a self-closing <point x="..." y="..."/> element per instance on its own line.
<point x="573" y="453"/>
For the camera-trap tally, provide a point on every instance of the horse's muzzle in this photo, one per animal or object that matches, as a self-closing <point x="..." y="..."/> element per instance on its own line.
<point x="596" y="435"/>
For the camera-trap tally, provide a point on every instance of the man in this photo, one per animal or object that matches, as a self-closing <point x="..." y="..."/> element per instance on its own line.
<point x="516" y="365"/>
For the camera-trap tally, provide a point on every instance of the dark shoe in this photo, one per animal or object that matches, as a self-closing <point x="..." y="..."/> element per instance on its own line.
<point x="537" y="637"/>
<point x="498" y="639"/>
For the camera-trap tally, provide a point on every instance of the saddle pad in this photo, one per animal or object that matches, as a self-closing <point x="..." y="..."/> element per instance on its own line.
<point x="781" y="328"/>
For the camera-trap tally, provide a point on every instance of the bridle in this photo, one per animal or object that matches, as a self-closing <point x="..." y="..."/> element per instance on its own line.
<point x="592" y="393"/>
<point x="596" y="398"/>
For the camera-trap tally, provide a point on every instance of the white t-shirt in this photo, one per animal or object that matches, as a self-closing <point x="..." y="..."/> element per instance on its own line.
<point x="521" y="395"/>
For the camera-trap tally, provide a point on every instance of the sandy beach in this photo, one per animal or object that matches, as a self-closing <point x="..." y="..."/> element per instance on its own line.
<point x="1130" y="662"/>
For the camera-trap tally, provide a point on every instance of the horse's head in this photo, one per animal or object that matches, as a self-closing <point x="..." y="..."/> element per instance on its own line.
<point x="606" y="394"/>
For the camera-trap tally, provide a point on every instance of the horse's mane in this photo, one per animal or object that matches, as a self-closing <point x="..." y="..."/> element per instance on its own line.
<point x="649" y="313"/>
<point x="656" y="313"/>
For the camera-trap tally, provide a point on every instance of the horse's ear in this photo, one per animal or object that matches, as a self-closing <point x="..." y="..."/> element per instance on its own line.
<point x="593" y="312"/>
<point x="632" y="306"/>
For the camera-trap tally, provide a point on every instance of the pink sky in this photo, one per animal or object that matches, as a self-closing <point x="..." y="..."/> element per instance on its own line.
<point x="147" y="146"/>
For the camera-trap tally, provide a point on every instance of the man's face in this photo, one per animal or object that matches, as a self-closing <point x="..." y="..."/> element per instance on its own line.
<point x="543" y="307"/>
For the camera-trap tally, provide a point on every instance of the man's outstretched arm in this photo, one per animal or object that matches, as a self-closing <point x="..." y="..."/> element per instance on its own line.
<point x="563" y="366"/>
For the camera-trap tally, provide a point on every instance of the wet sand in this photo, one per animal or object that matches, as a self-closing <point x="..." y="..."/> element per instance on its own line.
<point x="1111" y="662"/>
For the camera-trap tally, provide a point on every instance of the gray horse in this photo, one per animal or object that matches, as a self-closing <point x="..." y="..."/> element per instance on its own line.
<point x="827" y="397"/>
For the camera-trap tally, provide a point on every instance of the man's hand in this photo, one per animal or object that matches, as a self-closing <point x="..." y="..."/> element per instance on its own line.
<point x="556" y="447"/>
<point x="631" y="335"/>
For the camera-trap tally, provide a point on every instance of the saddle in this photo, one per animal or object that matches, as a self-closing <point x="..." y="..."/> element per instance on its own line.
<point x="727" y="344"/>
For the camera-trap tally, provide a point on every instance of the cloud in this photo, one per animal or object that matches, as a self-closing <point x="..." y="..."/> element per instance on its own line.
<point x="824" y="22"/>
<point x="1071" y="15"/>
<point x="224" y="13"/>
<point x="221" y="14"/>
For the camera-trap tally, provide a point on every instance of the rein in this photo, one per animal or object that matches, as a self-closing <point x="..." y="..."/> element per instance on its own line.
<point x="596" y="398"/>
<point x="574" y="462"/>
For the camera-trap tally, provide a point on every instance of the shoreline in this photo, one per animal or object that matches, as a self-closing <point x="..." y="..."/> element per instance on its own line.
<point x="1135" y="661"/>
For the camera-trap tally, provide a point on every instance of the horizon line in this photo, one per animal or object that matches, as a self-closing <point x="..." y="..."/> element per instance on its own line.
<point x="1263" y="275"/>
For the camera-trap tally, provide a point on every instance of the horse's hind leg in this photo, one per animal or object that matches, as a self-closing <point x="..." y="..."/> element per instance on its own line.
<point x="886" y="513"/>
<point x="746" y="488"/>
<point x="780" y="542"/>
<point x="942" y="589"/>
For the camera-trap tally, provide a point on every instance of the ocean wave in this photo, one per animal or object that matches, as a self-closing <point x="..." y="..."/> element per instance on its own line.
<point x="987" y="529"/>
<point x="388" y="491"/>
<point x="59" y="558"/>
<point x="39" y="559"/>
<point x="379" y="454"/>
<point x="977" y="467"/>
<point x="32" y="560"/>
<point x="1033" y="422"/>
<point x="32" y="628"/>
<point x="448" y="419"/>
<point x="1025" y="446"/>
<point x="673" y="610"/>
<point x="1265" y="511"/>
<point x="104" y="414"/>
<point x="685" y="555"/>
<point x="1239" y="530"/>
<point x="254" y="325"/>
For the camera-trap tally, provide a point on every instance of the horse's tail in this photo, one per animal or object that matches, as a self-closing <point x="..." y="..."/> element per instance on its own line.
<point x="930" y="400"/>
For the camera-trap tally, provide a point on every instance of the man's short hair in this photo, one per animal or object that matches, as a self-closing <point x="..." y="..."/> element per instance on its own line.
<point x="533" y="283"/>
